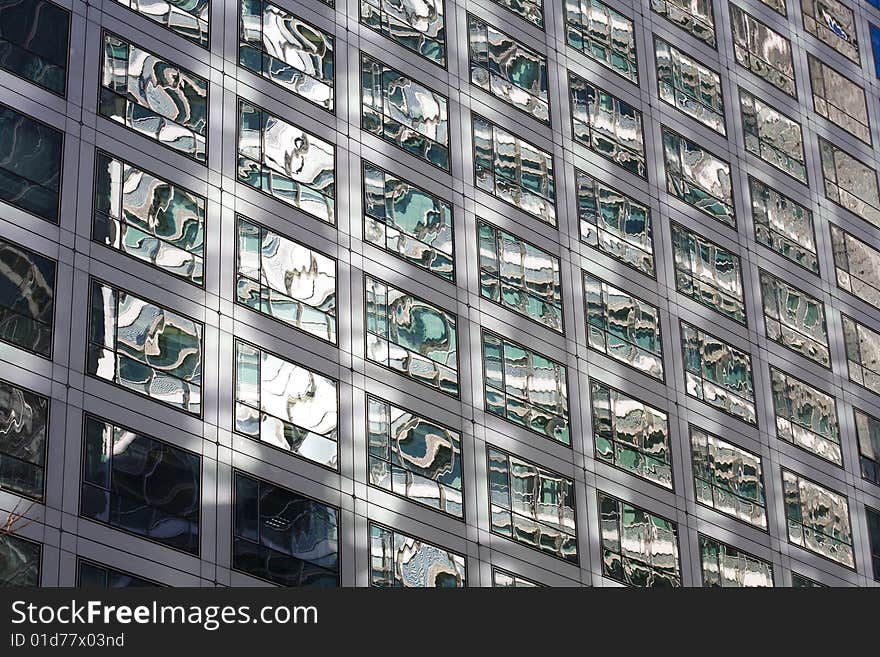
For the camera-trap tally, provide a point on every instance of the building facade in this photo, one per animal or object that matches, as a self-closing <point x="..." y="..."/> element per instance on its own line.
<point x="439" y="293"/>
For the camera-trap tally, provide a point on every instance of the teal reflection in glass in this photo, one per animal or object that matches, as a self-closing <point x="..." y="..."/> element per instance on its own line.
<point x="728" y="567"/>
<point x="34" y="42"/>
<point x="698" y="178"/>
<point x="188" y="18"/>
<point x="402" y="561"/>
<point x="526" y="388"/>
<point x="27" y="299"/>
<point x="783" y="225"/>
<point x="795" y="319"/>
<point x="602" y="34"/>
<point x="818" y="519"/>
<point x="689" y="86"/>
<point x="418" y="25"/>
<point x="410" y="336"/>
<point x="806" y="416"/>
<point x="408" y="221"/>
<point x="149" y="218"/>
<point x="529" y="10"/>
<point x="695" y="17"/>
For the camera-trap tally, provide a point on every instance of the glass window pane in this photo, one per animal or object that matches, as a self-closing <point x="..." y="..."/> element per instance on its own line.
<point x="404" y="112"/>
<point x="188" y="18"/>
<point x="868" y="434"/>
<point x="145" y="348"/>
<point x="287" y="50"/>
<point x="708" y="273"/>
<point x="839" y="99"/>
<point x="410" y="336"/>
<point x="540" y="512"/>
<point x="526" y="388"/>
<point x="805" y="416"/>
<point x="615" y="224"/>
<point x="763" y="51"/>
<point x="153" y="491"/>
<point x="607" y="125"/>
<point x="718" y="373"/>
<point x="818" y="519"/>
<point x="856" y="266"/>
<point x="514" y="170"/>
<point x="20" y="561"/>
<point x="834" y="24"/>
<point x="726" y="566"/>
<point x="698" y="177"/>
<point x="529" y="10"/>
<point x="286" y="162"/>
<point x="874" y="539"/>
<point x="149" y="218"/>
<point x="399" y="560"/>
<point x="27" y="299"/>
<point x="30" y="164"/>
<point x="630" y="434"/>
<point x="95" y="576"/>
<point x="408" y="222"/>
<point x="34" y="42"/>
<point x="693" y="16"/>
<point x="795" y="319"/>
<point x="862" y="353"/>
<point x="520" y="276"/>
<point x="689" y="86"/>
<point x="623" y="326"/>
<point x="296" y="541"/>
<point x="414" y="457"/>
<point x="286" y="405"/>
<point x="604" y="35"/>
<point x="153" y="97"/>
<point x="509" y="70"/>
<point x="639" y="548"/>
<point x="772" y="136"/>
<point x="502" y="579"/>
<point x="850" y="182"/>
<point x="728" y="478"/>
<point x="417" y="25"/>
<point x="285" y="280"/>
<point x="783" y="225"/>
<point x="24" y="419"/>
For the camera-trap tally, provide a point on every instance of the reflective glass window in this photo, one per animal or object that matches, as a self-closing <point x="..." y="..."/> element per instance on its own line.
<point x="284" y="161"/>
<point x="795" y="319"/>
<point x="514" y="170"/>
<point x="615" y="223"/>
<point x="503" y="579"/>
<point x="839" y="99"/>
<point x="399" y="560"/>
<point x="718" y="373"/>
<point x="410" y="336"/>
<point x="856" y="266"/>
<point x="817" y="519"/>
<point x="188" y="18"/>
<point x="728" y="478"/>
<point x="286" y="405"/>
<point x="141" y="485"/>
<point x="805" y="416"/>
<point x="849" y="182"/>
<point x="283" y="536"/>
<point x="729" y="567"/>
<point x="698" y="177"/>
<point x="868" y="435"/>
<point x="532" y="505"/>
<point x="145" y="348"/>
<point x="30" y="164"/>
<point x="34" y="42"/>
<point x="508" y="70"/>
<point x="875" y="46"/>
<point x="834" y="24"/>
<point x="408" y="221"/>
<point x="693" y="16"/>
<point x="708" y="273"/>
<point x="526" y="388"/>
<point x="783" y="225"/>
<point x="414" y="457"/>
<point x="149" y="218"/>
<point x="287" y="50"/>
<point x="639" y="548"/>
<point x="27" y="299"/>
<point x="285" y="280"/>
<point x="24" y="423"/>
<point x="777" y="5"/>
<point x="607" y="125"/>
<point x="20" y="561"/>
<point x="155" y="98"/>
<point x="404" y="112"/>
<point x="529" y="10"/>
<point x="772" y="136"/>
<point x="94" y="576"/>
<point x="799" y="581"/>
<point x="602" y="34"/>
<point x="874" y="539"/>
<point x="520" y="276"/>
<point x="623" y="326"/>
<point x="631" y="435"/>
<point x="417" y="25"/>
<point x="690" y="86"/>
<point x="862" y="353"/>
<point x="763" y="51"/>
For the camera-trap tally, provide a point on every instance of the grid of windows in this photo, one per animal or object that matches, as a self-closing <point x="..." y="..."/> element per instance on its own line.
<point x="395" y="250"/>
